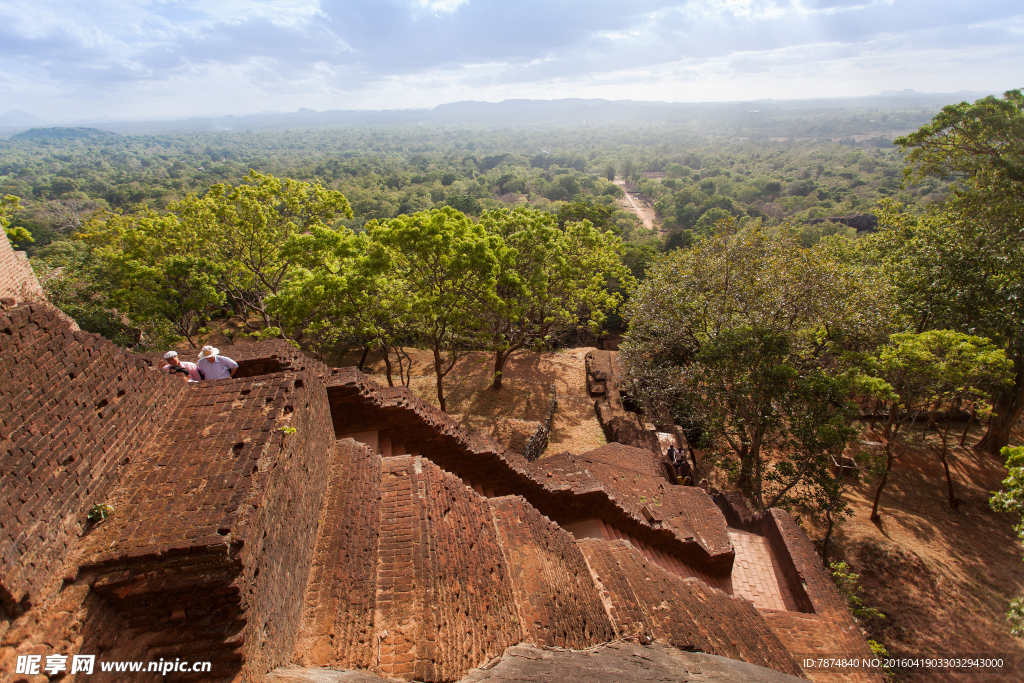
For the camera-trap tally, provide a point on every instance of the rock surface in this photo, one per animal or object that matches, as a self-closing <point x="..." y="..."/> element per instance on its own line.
<point x="611" y="663"/>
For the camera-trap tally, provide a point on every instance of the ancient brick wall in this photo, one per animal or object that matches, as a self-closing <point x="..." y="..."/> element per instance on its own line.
<point x="647" y="602"/>
<point x="74" y="411"/>
<point x="823" y="625"/>
<point x="831" y="630"/>
<point x="279" y="547"/>
<point x="223" y="480"/>
<point x="634" y="479"/>
<point x="17" y="281"/>
<point x="338" y="612"/>
<point x="444" y="604"/>
<point x="561" y="489"/>
<point x="76" y="620"/>
<point x="558" y="603"/>
<point x="187" y="606"/>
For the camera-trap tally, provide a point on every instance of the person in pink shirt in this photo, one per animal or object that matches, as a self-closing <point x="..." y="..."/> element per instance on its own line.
<point x="184" y="368"/>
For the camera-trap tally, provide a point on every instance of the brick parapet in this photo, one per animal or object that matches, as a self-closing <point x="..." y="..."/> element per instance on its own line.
<point x="17" y="279"/>
<point x="358" y="404"/>
<point x="556" y="597"/>
<point x="74" y="411"/>
<point x="341" y="597"/>
<point x="261" y="358"/>
<point x="634" y="479"/>
<point x="444" y="603"/>
<point x="224" y="476"/>
<point x="824" y="624"/>
<point x="648" y="603"/>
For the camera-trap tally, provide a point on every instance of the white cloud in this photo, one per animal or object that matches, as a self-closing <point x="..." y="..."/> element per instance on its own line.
<point x="439" y="6"/>
<point x="186" y="56"/>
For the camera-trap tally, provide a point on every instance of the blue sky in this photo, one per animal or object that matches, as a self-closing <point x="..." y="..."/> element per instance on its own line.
<point x="63" y="59"/>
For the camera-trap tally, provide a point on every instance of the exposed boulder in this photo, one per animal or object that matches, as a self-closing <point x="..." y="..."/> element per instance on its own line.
<point x="622" y="426"/>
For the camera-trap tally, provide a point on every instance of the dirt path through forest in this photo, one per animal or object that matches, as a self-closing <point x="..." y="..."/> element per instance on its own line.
<point x="637" y="206"/>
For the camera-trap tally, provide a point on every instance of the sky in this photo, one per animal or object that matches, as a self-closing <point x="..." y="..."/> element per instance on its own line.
<point x="71" y="59"/>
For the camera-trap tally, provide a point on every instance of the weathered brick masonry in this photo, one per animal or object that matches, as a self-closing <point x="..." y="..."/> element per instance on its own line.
<point x="341" y="598"/>
<point x="557" y="601"/>
<point x="560" y="487"/>
<point x="297" y="514"/>
<point x="647" y="602"/>
<point x="17" y="281"/>
<point x="223" y="480"/>
<point x="444" y="597"/>
<point x="74" y="411"/>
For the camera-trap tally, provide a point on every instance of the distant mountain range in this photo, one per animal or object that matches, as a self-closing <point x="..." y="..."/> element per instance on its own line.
<point x="506" y="113"/>
<point x="17" y="118"/>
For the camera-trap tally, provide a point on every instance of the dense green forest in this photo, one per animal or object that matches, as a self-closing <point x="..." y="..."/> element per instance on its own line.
<point x="385" y="172"/>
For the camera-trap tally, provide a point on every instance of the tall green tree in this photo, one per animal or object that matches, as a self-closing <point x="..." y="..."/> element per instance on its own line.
<point x="978" y="235"/>
<point x="953" y="272"/>
<point x="1011" y="499"/>
<point x="153" y="270"/>
<point x="745" y="336"/>
<point x="547" y="278"/>
<point x="8" y="206"/>
<point x="325" y="299"/>
<point x="245" y="227"/>
<point x="448" y="266"/>
<point x="931" y="370"/>
<point x="339" y="294"/>
<point x="981" y="144"/>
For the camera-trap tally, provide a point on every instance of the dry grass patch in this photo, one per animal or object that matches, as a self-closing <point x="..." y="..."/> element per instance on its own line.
<point x="510" y="415"/>
<point x="943" y="578"/>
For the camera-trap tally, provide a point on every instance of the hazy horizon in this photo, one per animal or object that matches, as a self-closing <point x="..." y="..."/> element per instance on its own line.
<point x="61" y="60"/>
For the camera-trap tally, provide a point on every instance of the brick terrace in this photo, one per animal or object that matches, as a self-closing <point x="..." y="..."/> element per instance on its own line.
<point x="378" y="535"/>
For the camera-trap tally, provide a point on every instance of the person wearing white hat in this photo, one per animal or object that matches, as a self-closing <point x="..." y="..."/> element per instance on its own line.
<point x="184" y="368"/>
<point x="215" y="366"/>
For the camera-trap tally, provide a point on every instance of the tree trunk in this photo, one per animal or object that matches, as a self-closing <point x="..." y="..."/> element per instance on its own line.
<point x="404" y="365"/>
<point x="387" y="364"/>
<point x="830" y="525"/>
<point x="692" y="454"/>
<point x="881" y="485"/>
<point x="362" y="359"/>
<point x="440" y="381"/>
<point x="1008" y="406"/>
<point x="755" y="453"/>
<point x="745" y="480"/>
<point x="954" y="502"/>
<point x="499" y="365"/>
<point x="970" y="420"/>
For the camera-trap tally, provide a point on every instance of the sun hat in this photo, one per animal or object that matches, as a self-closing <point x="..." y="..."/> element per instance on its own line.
<point x="170" y="354"/>
<point x="208" y="352"/>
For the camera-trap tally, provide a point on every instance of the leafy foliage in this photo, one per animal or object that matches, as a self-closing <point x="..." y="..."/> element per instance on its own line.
<point x="8" y="205"/>
<point x="964" y="267"/>
<point x="549" y="276"/>
<point x="744" y="336"/>
<point x="847" y="583"/>
<point x="1011" y="500"/>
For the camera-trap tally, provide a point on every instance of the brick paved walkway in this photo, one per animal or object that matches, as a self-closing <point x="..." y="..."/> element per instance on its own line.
<point x="756" y="575"/>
